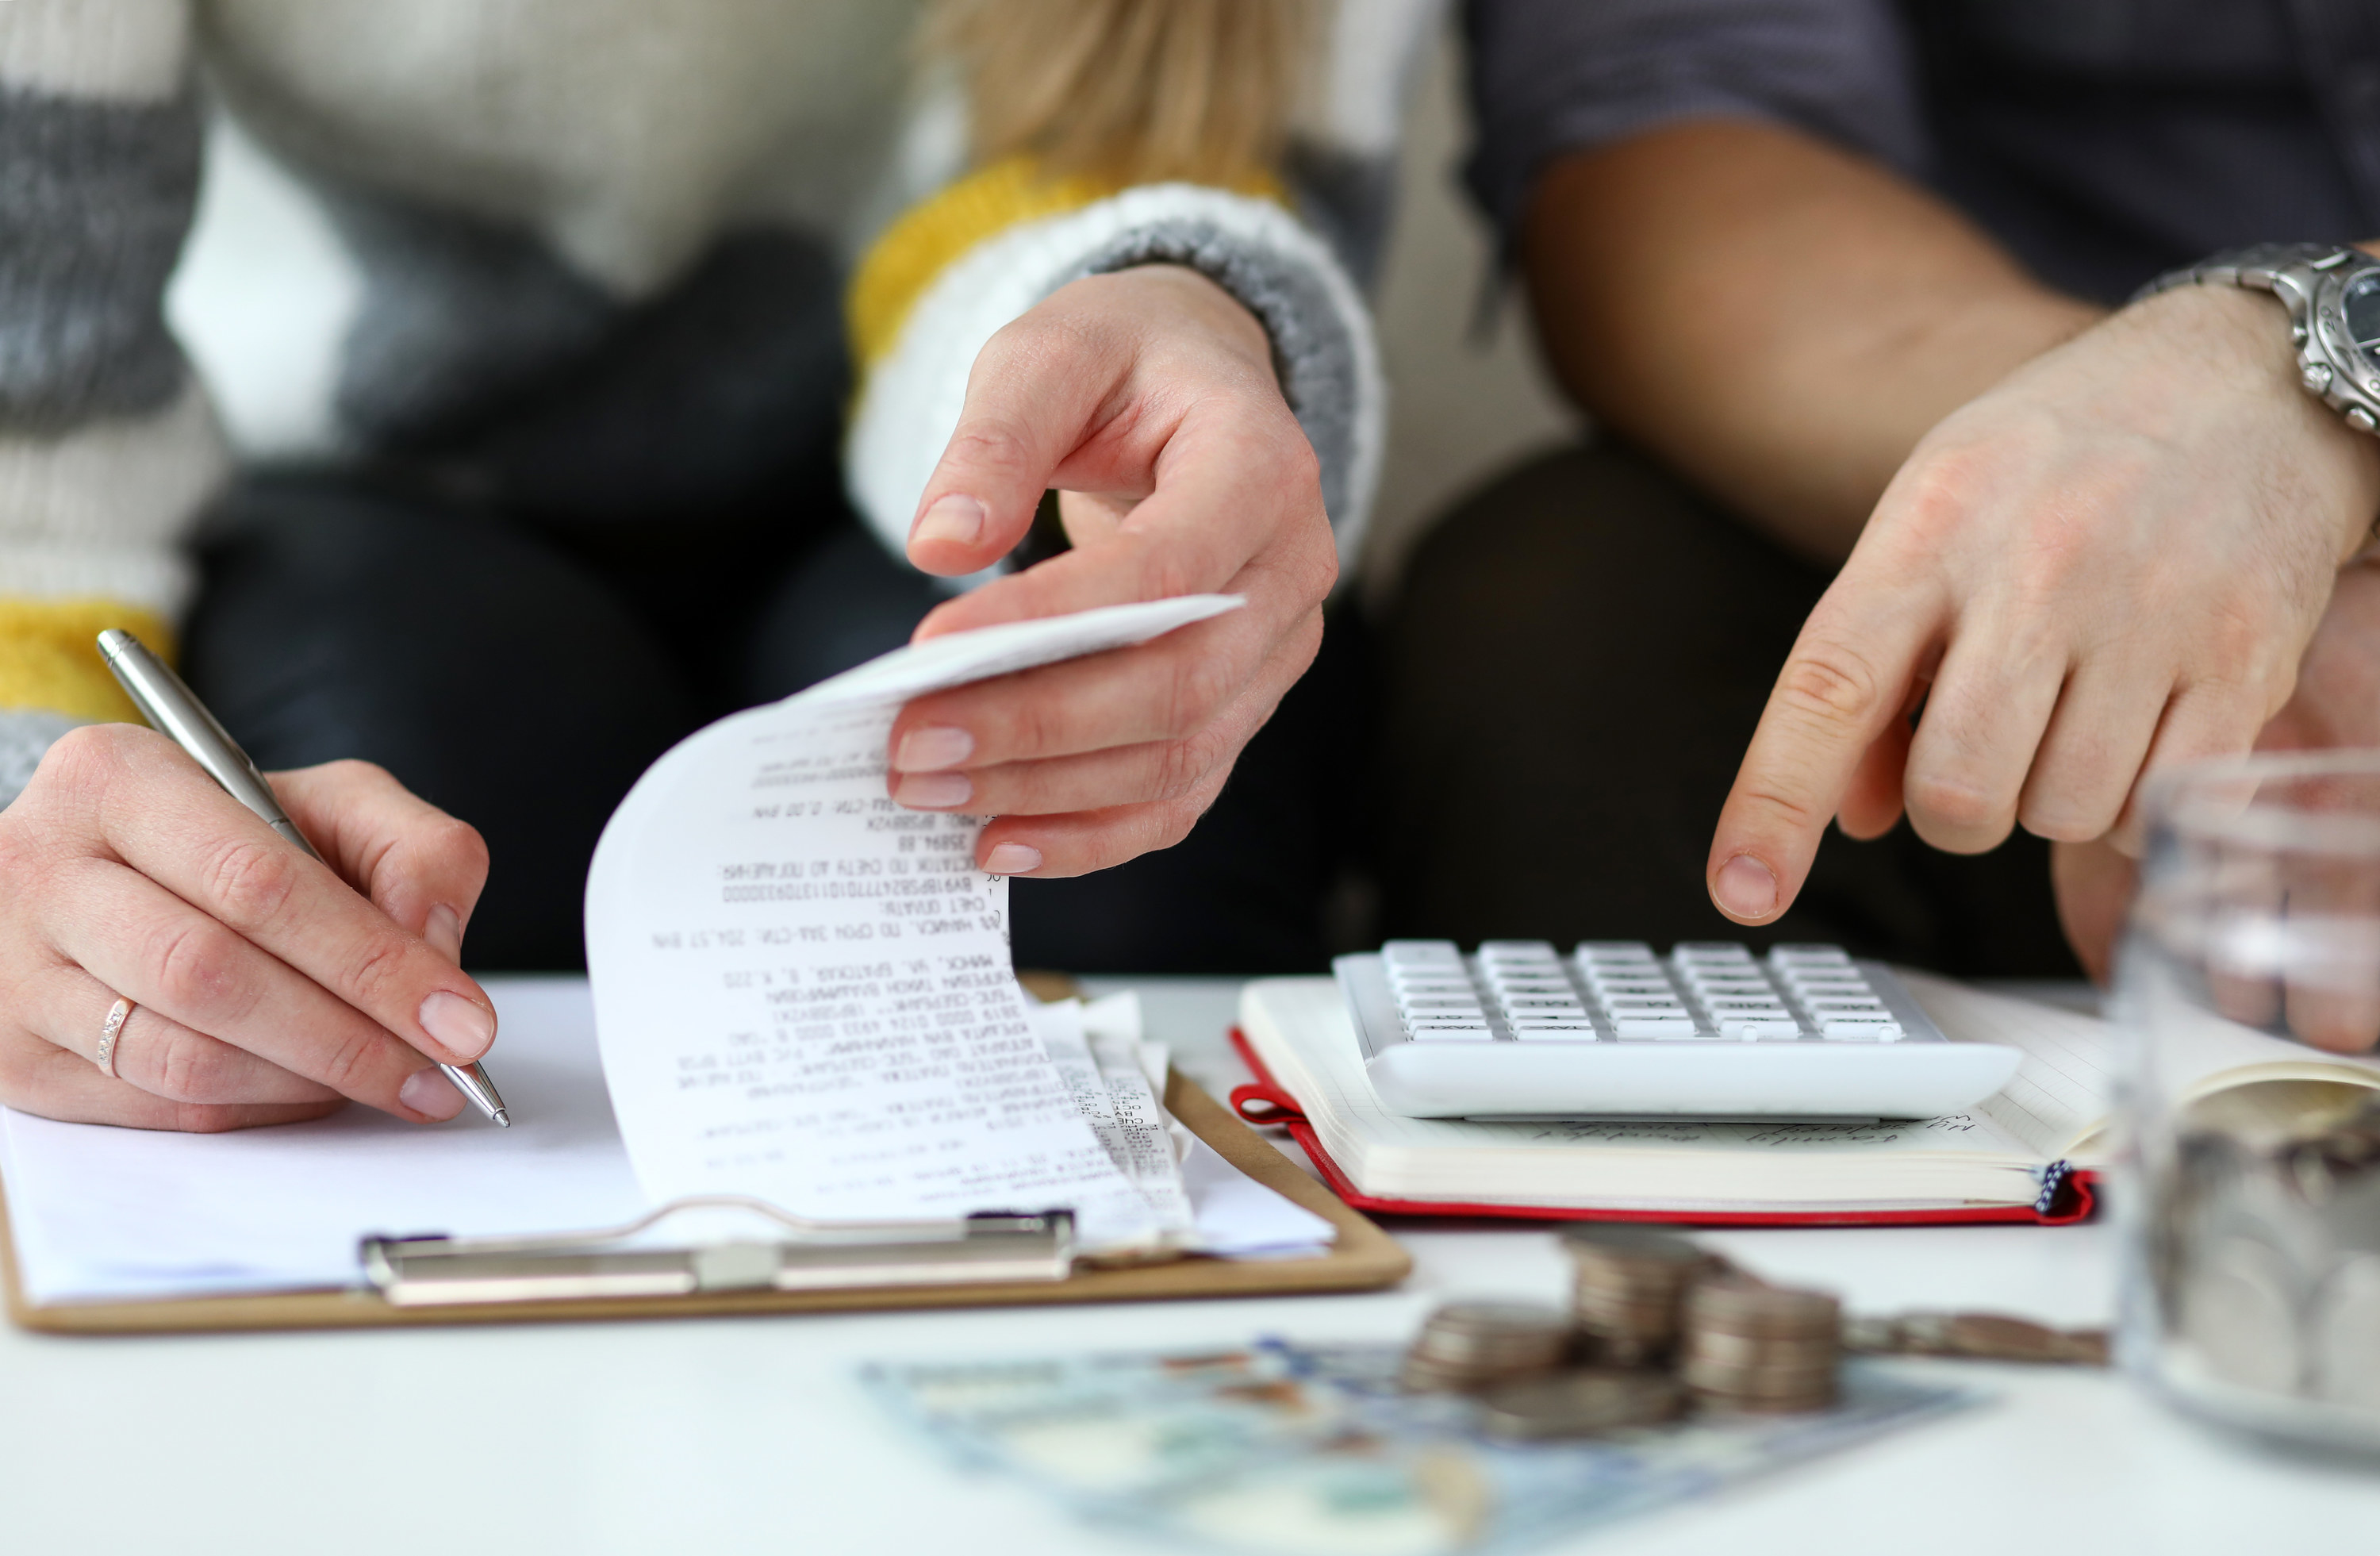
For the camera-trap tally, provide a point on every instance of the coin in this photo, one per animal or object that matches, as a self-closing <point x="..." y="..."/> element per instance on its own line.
<point x="1739" y="1350"/>
<point x="1750" y="1346"/>
<point x="1738" y="1306"/>
<point x="2347" y="1332"/>
<point x="1494" y="1317"/>
<point x="2239" y="1313"/>
<point x="1581" y="1403"/>
<point x="1466" y="1345"/>
<point x="1870" y="1335"/>
<point x="1980" y="1336"/>
<point x="1629" y="1283"/>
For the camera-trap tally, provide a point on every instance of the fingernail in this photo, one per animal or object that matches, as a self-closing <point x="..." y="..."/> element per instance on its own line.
<point x="955" y="517"/>
<point x="1012" y="858"/>
<point x="932" y="748"/>
<point x="458" y="1025"/>
<point x="445" y="933"/>
<point x="933" y="791"/>
<point x="1746" y="888"/>
<point x="429" y="1091"/>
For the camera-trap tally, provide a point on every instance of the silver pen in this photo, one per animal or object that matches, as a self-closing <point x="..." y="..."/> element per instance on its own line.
<point x="176" y="712"/>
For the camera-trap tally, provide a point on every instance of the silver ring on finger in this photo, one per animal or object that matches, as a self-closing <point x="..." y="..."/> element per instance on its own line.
<point x="109" y="1031"/>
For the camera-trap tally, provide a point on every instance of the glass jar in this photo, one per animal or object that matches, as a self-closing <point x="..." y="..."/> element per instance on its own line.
<point x="2248" y="982"/>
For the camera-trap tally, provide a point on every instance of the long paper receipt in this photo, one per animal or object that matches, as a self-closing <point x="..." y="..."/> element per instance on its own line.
<point x="804" y="992"/>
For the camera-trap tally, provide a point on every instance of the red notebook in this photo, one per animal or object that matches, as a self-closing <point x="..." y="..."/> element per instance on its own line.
<point x="2028" y="1155"/>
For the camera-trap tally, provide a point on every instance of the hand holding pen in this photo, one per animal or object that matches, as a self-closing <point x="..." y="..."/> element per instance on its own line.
<point x="169" y="960"/>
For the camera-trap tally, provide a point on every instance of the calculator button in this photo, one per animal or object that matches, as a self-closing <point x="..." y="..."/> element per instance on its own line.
<point x="1733" y="989"/>
<point x="1755" y="1028"/>
<point x="1809" y="955"/>
<point x="1450" y="1034"/>
<point x="1634" y="1026"/>
<point x="1405" y="953"/>
<point x="1614" y="951"/>
<point x="1438" y="990"/>
<point x="1844" y="1002"/>
<point x="1841" y="1027"/>
<point x="1516" y="951"/>
<point x="1555" y="1031"/>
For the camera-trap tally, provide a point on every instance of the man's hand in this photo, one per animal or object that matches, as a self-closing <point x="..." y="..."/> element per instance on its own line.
<point x="2337" y="704"/>
<point x="268" y="986"/>
<point x="2111" y="560"/>
<point x="1147" y="398"/>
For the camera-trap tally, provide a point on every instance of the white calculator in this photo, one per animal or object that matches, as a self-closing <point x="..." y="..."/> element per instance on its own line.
<point x="1612" y="1031"/>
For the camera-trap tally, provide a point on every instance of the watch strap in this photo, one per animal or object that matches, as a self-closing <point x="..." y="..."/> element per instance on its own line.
<point x="2296" y="274"/>
<point x="2261" y="267"/>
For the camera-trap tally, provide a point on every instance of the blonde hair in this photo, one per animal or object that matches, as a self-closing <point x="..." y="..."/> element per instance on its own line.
<point x="1128" y="91"/>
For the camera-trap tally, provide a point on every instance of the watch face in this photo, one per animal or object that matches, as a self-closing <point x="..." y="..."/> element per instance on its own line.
<point x="2362" y="303"/>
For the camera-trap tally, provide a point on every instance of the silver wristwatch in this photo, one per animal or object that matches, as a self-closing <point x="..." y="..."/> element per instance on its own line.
<point x="2332" y="296"/>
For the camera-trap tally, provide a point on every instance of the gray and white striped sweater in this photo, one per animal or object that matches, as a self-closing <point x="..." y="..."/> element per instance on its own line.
<point x="479" y="198"/>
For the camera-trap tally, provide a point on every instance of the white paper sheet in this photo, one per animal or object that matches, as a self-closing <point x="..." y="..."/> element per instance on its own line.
<point x="102" y="1212"/>
<point x="109" y="1214"/>
<point x="804" y="992"/>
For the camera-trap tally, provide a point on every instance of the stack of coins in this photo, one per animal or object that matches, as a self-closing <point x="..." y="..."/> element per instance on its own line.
<point x="1754" y="1347"/>
<point x="1630" y="1284"/>
<point x="1980" y="1336"/>
<point x="1469" y="1346"/>
<point x="2269" y="1257"/>
<point x="1581" y="1403"/>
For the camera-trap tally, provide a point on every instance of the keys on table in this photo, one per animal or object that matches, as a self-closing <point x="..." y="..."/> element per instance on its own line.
<point x="1618" y="991"/>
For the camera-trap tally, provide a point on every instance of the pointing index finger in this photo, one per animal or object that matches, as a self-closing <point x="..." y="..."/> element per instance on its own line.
<point x="1846" y="680"/>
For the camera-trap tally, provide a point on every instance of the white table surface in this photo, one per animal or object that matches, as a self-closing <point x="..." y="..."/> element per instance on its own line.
<point x="751" y="1436"/>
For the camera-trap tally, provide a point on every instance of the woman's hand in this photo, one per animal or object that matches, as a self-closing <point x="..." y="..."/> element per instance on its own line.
<point x="1147" y="397"/>
<point x="2111" y="561"/>
<point x="266" y="988"/>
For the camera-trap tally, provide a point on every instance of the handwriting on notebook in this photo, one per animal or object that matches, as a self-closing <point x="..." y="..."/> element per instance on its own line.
<point x="804" y="992"/>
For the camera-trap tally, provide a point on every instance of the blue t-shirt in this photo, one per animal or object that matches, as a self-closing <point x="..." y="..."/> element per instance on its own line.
<point x="2101" y="140"/>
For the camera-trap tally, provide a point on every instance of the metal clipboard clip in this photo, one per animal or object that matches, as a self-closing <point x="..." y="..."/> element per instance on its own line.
<point x="803" y="1255"/>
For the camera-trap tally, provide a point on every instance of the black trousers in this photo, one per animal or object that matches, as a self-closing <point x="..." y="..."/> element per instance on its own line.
<point x="521" y="676"/>
<point x="1579" y="657"/>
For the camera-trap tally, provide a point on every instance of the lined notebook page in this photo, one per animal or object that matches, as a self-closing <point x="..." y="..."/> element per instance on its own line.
<point x="2063" y="1091"/>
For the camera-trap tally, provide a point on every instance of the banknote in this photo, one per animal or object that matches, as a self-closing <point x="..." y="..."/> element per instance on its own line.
<point x="1282" y="1447"/>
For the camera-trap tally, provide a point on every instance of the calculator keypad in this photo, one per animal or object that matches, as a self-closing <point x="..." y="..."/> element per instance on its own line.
<point x="1618" y="991"/>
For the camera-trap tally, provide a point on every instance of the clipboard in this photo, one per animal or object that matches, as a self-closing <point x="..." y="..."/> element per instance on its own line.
<point x="1020" y="1259"/>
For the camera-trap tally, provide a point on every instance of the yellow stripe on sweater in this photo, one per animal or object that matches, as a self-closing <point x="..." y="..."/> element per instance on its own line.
<point x="49" y="655"/>
<point x="926" y="240"/>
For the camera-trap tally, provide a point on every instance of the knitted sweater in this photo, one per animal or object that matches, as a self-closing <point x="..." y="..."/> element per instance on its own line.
<point x="515" y="188"/>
